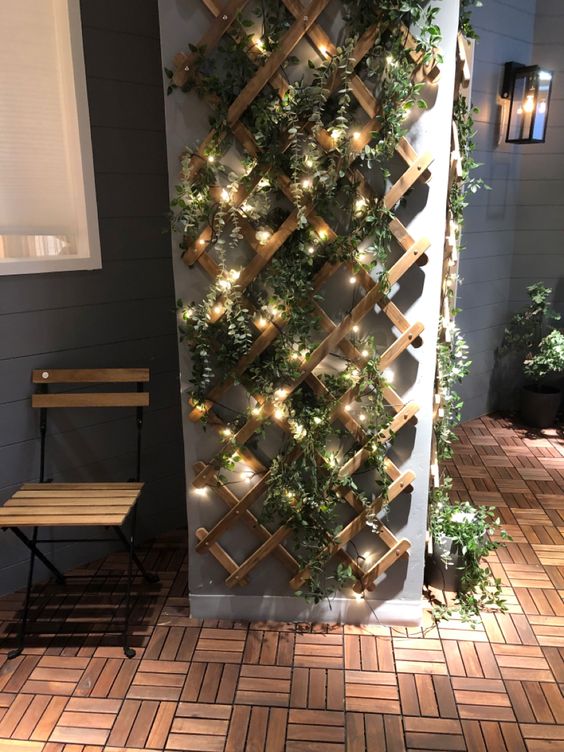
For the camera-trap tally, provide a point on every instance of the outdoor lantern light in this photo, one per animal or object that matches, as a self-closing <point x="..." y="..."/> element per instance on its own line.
<point x="527" y="88"/>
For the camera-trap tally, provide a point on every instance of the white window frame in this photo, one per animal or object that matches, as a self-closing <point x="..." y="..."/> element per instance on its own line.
<point x="78" y="135"/>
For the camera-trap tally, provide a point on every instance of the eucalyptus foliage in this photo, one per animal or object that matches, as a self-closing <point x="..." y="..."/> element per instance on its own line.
<point x="290" y="169"/>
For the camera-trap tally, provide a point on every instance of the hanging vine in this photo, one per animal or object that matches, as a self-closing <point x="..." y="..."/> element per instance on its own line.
<point x="307" y="132"/>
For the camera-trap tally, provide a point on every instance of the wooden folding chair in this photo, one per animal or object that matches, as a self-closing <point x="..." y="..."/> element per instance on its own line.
<point x="47" y="504"/>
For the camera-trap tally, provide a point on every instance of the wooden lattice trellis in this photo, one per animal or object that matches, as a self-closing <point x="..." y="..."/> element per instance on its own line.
<point x="462" y="84"/>
<point x="336" y="335"/>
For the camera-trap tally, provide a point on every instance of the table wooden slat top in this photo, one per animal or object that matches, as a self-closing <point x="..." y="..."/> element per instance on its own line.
<point x="68" y="504"/>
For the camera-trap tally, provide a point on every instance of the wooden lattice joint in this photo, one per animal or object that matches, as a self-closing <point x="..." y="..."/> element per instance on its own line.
<point x="336" y="334"/>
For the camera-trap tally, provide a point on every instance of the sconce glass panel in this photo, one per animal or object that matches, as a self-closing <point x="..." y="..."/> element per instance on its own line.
<point x="530" y="102"/>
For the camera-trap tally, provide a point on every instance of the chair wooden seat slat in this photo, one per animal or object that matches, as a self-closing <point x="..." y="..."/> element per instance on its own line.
<point x="109" y="504"/>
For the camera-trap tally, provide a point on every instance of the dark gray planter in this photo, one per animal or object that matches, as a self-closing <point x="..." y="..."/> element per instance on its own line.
<point x="539" y="409"/>
<point x="440" y="575"/>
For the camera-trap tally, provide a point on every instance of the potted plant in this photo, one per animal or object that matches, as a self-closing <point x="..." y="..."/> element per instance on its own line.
<point x="541" y="401"/>
<point x="461" y="540"/>
<point x="533" y="339"/>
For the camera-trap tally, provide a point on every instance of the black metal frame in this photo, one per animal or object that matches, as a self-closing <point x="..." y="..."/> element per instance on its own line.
<point x="128" y="541"/>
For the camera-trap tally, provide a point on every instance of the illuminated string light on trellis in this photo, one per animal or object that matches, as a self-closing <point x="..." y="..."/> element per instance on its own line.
<point x="261" y="322"/>
<point x="323" y="235"/>
<point x="362" y="417"/>
<point x="247" y="475"/>
<point x="348" y="408"/>
<point x="335" y="134"/>
<point x="263" y="235"/>
<point x="365" y="353"/>
<point x="227" y="432"/>
<point x="311" y="250"/>
<point x="323" y="50"/>
<point x="201" y="491"/>
<point x="279" y="413"/>
<point x="259" y="43"/>
<point x="201" y="241"/>
<point x="356" y="135"/>
<point x="218" y="309"/>
<point x="307" y="183"/>
<point x="360" y="205"/>
<point x="356" y="328"/>
<point x="352" y="280"/>
<point x="224" y="195"/>
<point x="281" y="393"/>
<point x="211" y="158"/>
<point x="388" y="374"/>
<point x="308" y="162"/>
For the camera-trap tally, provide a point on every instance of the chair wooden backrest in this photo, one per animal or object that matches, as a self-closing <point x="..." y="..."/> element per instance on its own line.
<point x="44" y="400"/>
<point x="138" y="398"/>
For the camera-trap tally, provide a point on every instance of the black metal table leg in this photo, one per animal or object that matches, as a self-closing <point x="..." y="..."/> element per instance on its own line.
<point x="127" y="649"/>
<point x="23" y="624"/>
<point x="148" y="576"/>
<point x="41" y="556"/>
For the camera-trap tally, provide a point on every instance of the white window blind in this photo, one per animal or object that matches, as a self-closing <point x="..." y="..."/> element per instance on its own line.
<point x="48" y="218"/>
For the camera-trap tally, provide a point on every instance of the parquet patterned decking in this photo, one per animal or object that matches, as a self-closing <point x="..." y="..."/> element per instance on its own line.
<point x="230" y="687"/>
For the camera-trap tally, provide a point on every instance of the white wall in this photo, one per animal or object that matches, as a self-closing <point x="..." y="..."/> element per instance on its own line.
<point x="398" y="593"/>
<point x="493" y="218"/>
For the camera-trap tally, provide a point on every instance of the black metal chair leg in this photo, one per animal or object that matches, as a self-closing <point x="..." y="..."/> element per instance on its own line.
<point x="41" y="556"/>
<point x="129" y="651"/>
<point x="148" y="576"/>
<point x="23" y="624"/>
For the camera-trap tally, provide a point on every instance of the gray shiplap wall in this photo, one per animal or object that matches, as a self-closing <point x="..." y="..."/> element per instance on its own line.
<point x="121" y="315"/>
<point x="506" y="29"/>
<point x="539" y="245"/>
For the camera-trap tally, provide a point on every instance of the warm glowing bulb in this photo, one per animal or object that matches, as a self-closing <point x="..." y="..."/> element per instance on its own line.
<point x="224" y="195"/>
<point x="279" y="413"/>
<point x="263" y="236"/>
<point x="355" y="373"/>
<point x="281" y="393"/>
<point x="311" y="250"/>
<point x="356" y="135"/>
<point x="211" y="158"/>
<point x="388" y="374"/>
<point x="201" y="491"/>
<point x="259" y="43"/>
<point x="360" y="204"/>
<point x="234" y="274"/>
<point x="227" y="432"/>
<point x="323" y="50"/>
<point x="323" y="234"/>
<point x="306" y="184"/>
<point x="362" y="417"/>
<point x="201" y="241"/>
<point x="295" y="356"/>
<point x="262" y="322"/>
<point x="217" y="309"/>
<point x="335" y="134"/>
<point x="247" y="475"/>
<point x="255" y="411"/>
<point x="356" y="328"/>
<point x="225" y="284"/>
<point x="352" y="280"/>
<point x="365" y="353"/>
<point x="529" y="105"/>
<point x="348" y="408"/>
<point x="309" y="162"/>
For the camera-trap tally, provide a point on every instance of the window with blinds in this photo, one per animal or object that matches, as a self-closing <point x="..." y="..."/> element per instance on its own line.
<point x="48" y="217"/>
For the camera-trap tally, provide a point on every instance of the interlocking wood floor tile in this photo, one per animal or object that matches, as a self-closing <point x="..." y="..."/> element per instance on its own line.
<point x="270" y="687"/>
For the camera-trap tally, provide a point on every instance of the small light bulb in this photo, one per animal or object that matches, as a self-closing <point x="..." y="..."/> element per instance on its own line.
<point x="227" y="432"/>
<point x="311" y="250"/>
<point x="323" y="234"/>
<point x="348" y="408"/>
<point x="309" y="162"/>
<point x="279" y="413"/>
<point x="224" y="195"/>
<point x="362" y="417"/>
<point x="274" y="311"/>
<point x="335" y="134"/>
<point x="263" y="236"/>
<point x="360" y="204"/>
<point x="359" y="596"/>
<point x="355" y="373"/>
<point x="295" y="356"/>
<point x="388" y="375"/>
<point x="234" y="274"/>
<point x="317" y="420"/>
<point x="529" y="105"/>
<point x="262" y="322"/>
<point x="211" y="158"/>
<point x="201" y="241"/>
<point x="256" y="411"/>
<point x="322" y="50"/>
<point x="365" y="353"/>
<point x="259" y="43"/>
<point x="281" y="393"/>
<point x="356" y="135"/>
<point x="201" y="491"/>
<point x="356" y="328"/>
<point x="352" y="280"/>
<point x="217" y="309"/>
<point x="306" y="184"/>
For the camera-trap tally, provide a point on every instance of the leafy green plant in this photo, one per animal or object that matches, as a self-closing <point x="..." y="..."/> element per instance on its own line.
<point x="528" y="327"/>
<point x="548" y="359"/>
<point x="453" y="365"/>
<point x="471" y="529"/>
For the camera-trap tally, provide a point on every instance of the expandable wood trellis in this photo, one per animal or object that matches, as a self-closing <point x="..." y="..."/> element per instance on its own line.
<point x="269" y="72"/>
<point x="462" y="84"/>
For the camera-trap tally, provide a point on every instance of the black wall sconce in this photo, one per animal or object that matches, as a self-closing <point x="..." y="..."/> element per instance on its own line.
<point x="528" y="89"/>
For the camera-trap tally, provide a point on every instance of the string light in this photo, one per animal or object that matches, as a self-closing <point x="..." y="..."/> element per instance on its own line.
<point x="323" y="234"/>
<point x="263" y="235"/>
<point x="279" y="413"/>
<point x="282" y="393"/>
<point x="388" y="374"/>
<point x="227" y="432"/>
<point x="201" y="241"/>
<point x="356" y="135"/>
<point x="218" y="308"/>
<point x="360" y="204"/>
<point x="256" y="411"/>
<point x="259" y="43"/>
<point x="356" y="328"/>
<point x="234" y="274"/>
<point x="306" y="184"/>
<point x="247" y="475"/>
<point x="348" y="408"/>
<point x="309" y="162"/>
<point x="224" y="195"/>
<point x="365" y="353"/>
<point x="225" y="284"/>
<point x="211" y="158"/>
<point x="311" y="250"/>
<point x="203" y="491"/>
<point x="352" y="280"/>
<point x="323" y="50"/>
<point x="362" y="417"/>
<point x="335" y="134"/>
<point x="261" y="322"/>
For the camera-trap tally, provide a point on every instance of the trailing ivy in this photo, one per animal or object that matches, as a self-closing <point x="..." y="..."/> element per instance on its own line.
<point x="306" y="157"/>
